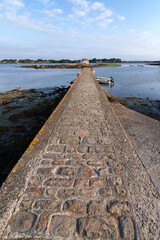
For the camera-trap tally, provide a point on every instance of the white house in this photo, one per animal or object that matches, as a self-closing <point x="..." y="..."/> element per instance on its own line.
<point x="85" y="61"/>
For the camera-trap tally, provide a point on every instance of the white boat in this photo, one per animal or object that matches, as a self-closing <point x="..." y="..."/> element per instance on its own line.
<point x="105" y="80"/>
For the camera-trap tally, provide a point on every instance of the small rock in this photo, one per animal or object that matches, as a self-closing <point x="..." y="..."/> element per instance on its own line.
<point x="118" y="207"/>
<point x="42" y="222"/>
<point x="22" y="221"/>
<point x="58" y="182"/>
<point x="97" y="228"/>
<point x="104" y="192"/>
<point x="120" y="191"/>
<point x="98" y="182"/>
<point x="95" y="208"/>
<point x="115" y="181"/>
<point x="66" y="171"/>
<point x="80" y="182"/>
<point x="126" y="228"/>
<point x="62" y="226"/>
<point x="66" y="193"/>
<point x="76" y="206"/>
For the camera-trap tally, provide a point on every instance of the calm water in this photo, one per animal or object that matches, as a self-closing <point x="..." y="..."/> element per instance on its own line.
<point x="12" y="76"/>
<point x="133" y="81"/>
<point x="130" y="81"/>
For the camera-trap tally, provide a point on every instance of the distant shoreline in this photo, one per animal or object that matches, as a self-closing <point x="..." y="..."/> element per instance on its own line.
<point x="70" y="66"/>
<point x="154" y="64"/>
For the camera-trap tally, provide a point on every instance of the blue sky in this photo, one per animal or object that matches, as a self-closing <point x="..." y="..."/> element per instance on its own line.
<point x="80" y="28"/>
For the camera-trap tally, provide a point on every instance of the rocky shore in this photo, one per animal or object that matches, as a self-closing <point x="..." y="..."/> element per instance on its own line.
<point x="22" y="114"/>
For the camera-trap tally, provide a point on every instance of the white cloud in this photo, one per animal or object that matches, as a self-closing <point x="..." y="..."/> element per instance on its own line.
<point x="89" y="12"/>
<point x="82" y="3"/>
<point x="121" y="18"/>
<point x="105" y="14"/>
<point x="11" y="4"/>
<point x="53" y="12"/>
<point x="103" y="24"/>
<point x="97" y="5"/>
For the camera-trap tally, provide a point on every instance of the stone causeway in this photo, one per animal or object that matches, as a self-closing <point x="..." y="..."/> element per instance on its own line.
<point x="80" y="178"/>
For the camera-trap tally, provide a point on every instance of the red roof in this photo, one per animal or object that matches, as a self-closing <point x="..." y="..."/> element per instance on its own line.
<point x="85" y="59"/>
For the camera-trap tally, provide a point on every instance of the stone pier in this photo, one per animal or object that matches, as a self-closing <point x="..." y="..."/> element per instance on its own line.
<point x="81" y="177"/>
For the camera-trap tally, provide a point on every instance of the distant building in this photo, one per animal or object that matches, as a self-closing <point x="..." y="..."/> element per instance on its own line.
<point x="85" y="61"/>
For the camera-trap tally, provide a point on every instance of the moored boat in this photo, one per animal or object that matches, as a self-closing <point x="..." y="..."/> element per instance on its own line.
<point x="105" y="80"/>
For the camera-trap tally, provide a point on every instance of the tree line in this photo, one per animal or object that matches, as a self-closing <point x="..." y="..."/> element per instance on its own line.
<point x="93" y="60"/>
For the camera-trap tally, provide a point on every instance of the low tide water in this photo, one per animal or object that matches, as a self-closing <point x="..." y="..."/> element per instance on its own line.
<point x="132" y="80"/>
<point x="12" y="76"/>
<point x="141" y="81"/>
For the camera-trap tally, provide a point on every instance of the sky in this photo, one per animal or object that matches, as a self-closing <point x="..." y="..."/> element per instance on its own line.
<point x="76" y="29"/>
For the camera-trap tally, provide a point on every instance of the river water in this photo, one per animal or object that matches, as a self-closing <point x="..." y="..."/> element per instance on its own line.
<point x="142" y="81"/>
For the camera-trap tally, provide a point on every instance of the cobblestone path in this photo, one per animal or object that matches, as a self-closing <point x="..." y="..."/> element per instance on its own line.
<point x="76" y="191"/>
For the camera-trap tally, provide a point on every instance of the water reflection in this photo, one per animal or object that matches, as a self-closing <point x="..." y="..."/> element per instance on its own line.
<point x="133" y="81"/>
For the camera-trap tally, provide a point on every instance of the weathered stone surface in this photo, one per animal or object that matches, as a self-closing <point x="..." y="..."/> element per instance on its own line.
<point x="42" y="222"/>
<point x="56" y="148"/>
<point x="76" y="156"/>
<point x="59" y="162"/>
<point x="52" y="205"/>
<point x="75" y="206"/>
<point x="50" y="192"/>
<point x="62" y="226"/>
<point x="117" y="171"/>
<point x="88" y="192"/>
<point x="35" y="181"/>
<point x="58" y="182"/>
<point x="105" y="172"/>
<point x="34" y="191"/>
<point x="82" y="132"/>
<point x="80" y="182"/>
<point x="22" y="221"/>
<point x="66" y="171"/>
<point x="95" y="208"/>
<point x="126" y="228"/>
<point x="98" y="182"/>
<point x="118" y="207"/>
<point x="45" y="171"/>
<point x="115" y="181"/>
<point x="106" y="149"/>
<point x="51" y="156"/>
<point x="104" y="192"/>
<point x="46" y="162"/>
<point x="66" y="193"/>
<point x="85" y="149"/>
<point x="120" y="191"/>
<point x="96" y="163"/>
<point x="97" y="228"/>
<point x="71" y="149"/>
<point x="25" y="204"/>
<point x="89" y="171"/>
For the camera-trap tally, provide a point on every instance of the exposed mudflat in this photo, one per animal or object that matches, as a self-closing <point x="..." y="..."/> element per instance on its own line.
<point x="22" y="114"/>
